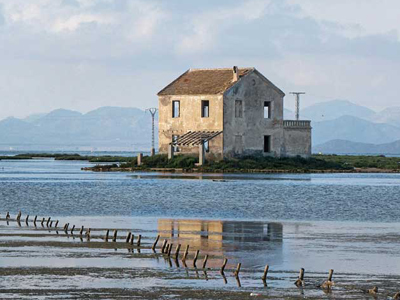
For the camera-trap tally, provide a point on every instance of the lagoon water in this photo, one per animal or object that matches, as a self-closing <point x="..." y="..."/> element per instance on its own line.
<point x="49" y="187"/>
<point x="349" y="222"/>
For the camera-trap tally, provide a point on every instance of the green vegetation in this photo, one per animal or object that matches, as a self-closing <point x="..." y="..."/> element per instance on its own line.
<point x="361" y="161"/>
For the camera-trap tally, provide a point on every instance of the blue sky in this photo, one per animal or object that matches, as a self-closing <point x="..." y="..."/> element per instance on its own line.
<point x="83" y="54"/>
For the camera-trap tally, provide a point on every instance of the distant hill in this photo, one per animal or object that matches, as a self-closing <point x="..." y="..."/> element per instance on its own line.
<point x="354" y="129"/>
<point x="334" y="109"/>
<point x="390" y="115"/>
<point x="106" y="128"/>
<point x="348" y="147"/>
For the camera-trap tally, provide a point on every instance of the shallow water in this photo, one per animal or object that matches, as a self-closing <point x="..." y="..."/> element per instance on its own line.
<point x="348" y="222"/>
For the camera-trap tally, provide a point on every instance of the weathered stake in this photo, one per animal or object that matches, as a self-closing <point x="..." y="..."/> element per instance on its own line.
<point x="107" y="233"/>
<point x="72" y="229"/>
<point x="185" y="254"/>
<point x="264" y="278"/>
<point x="115" y="236"/>
<point x="26" y="219"/>
<point x="41" y="223"/>
<point x="300" y="281"/>
<point x="178" y="248"/>
<point x="163" y="246"/>
<point x="139" y="240"/>
<point x="48" y="222"/>
<point x="81" y="230"/>
<point x="170" y="249"/>
<point x="132" y="239"/>
<point x="34" y="220"/>
<point x="330" y="275"/>
<point x="237" y="270"/>
<point x="128" y="237"/>
<point x="224" y="265"/>
<point x="155" y="243"/>
<point x="56" y="224"/>
<point x="8" y="215"/>
<point x="205" y="261"/>
<point x="196" y="256"/>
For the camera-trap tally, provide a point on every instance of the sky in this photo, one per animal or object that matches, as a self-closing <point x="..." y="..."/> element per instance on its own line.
<point x="84" y="54"/>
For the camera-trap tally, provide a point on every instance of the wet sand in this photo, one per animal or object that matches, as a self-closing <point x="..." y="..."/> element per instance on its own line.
<point x="42" y="263"/>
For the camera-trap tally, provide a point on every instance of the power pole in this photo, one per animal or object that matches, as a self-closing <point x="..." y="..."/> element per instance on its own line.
<point x="297" y="94"/>
<point x="153" y="112"/>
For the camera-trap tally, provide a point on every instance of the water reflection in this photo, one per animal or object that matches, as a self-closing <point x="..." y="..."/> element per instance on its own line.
<point x="222" y="177"/>
<point x="227" y="239"/>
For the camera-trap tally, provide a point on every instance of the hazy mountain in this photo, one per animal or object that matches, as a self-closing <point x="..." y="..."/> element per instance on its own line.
<point x="106" y="128"/>
<point x="389" y="115"/>
<point x="348" y="147"/>
<point x="354" y="129"/>
<point x="334" y="109"/>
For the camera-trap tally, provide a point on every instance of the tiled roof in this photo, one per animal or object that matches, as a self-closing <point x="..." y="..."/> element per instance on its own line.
<point x="203" y="82"/>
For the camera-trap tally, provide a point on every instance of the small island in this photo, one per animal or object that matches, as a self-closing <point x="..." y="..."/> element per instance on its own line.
<point x="250" y="164"/>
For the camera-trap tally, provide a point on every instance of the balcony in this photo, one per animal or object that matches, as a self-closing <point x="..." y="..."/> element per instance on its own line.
<point x="296" y="124"/>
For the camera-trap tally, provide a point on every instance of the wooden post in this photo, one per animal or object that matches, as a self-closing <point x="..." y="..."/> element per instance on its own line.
<point x="139" y="240"/>
<point x="128" y="237"/>
<point x="264" y="278"/>
<point x="155" y="243"/>
<point x="132" y="239"/>
<point x="300" y="281"/>
<point x="195" y="258"/>
<point x="81" y="231"/>
<point x="166" y="248"/>
<point x="170" y="249"/>
<point x="48" y="222"/>
<point x="205" y="261"/>
<point x="330" y="275"/>
<point x="88" y="234"/>
<point x="185" y="254"/>
<point x="56" y="224"/>
<point x="34" y="220"/>
<point x="163" y="246"/>
<point x="8" y="215"/>
<point x="107" y="233"/>
<point x="224" y="265"/>
<point x="42" y="222"/>
<point x="178" y="248"/>
<point x="19" y="216"/>
<point x="26" y="219"/>
<point x="72" y="229"/>
<point x="237" y="270"/>
<point x="51" y="224"/>
<point x="115" y="236"/>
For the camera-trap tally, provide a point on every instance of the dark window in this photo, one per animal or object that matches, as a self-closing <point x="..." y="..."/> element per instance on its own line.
<point x="238" y="109"/>
<point x="267" y="110"/>
<point x="175" y="109"/>
<point x="205" y="108"/>
<point x="267" y="143"/>
<point x="174" y="139"/>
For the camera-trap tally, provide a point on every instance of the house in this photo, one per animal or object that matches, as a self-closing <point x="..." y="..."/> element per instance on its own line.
<point x="227" y="113"/>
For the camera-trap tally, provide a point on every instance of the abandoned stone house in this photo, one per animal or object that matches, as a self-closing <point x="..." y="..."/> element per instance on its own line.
<point x="226" y="113"/>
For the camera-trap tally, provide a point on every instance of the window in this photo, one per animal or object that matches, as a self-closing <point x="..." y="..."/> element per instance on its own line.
<point x="238" y="109"/>
<point x="267" y="143"/>
<point x="267" y="109"/>
<point x="175" y="109"/>
<point x="174" y="139"/>
<point x="205" y="108"/>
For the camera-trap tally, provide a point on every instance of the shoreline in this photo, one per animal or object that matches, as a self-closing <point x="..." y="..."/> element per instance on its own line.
<point x="104" y="168"/>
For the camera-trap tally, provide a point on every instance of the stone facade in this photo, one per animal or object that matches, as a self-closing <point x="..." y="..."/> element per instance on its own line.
<point x="243" y="104"/>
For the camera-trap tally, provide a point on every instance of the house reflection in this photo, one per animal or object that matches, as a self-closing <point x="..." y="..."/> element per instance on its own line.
<point x="226" y="238"/>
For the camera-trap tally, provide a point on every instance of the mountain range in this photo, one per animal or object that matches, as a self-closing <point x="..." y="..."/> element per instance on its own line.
<point x="106" y="128"/>
<point x="339" y="126"/>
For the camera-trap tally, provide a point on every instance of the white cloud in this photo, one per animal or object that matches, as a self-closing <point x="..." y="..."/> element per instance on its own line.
<point x="357" y="17"/>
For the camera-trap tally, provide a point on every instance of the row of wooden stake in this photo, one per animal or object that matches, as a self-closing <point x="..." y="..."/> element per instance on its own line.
<point x="166" y="248"/>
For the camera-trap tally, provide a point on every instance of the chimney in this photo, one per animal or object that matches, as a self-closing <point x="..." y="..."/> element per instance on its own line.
<point x="235" y="74"/>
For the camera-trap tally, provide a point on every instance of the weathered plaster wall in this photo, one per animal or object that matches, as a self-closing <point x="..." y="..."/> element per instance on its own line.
<point x="190" y="120"/>
<point x="297" y="142"/>
<point x="245" y="136"/>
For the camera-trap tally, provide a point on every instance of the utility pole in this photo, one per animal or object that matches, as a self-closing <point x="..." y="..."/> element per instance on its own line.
<point x="153" y="112"/>
<point x="297" y="94"/>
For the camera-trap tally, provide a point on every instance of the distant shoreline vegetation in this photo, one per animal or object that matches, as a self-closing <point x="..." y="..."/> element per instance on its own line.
<point x="160" y="162"/>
